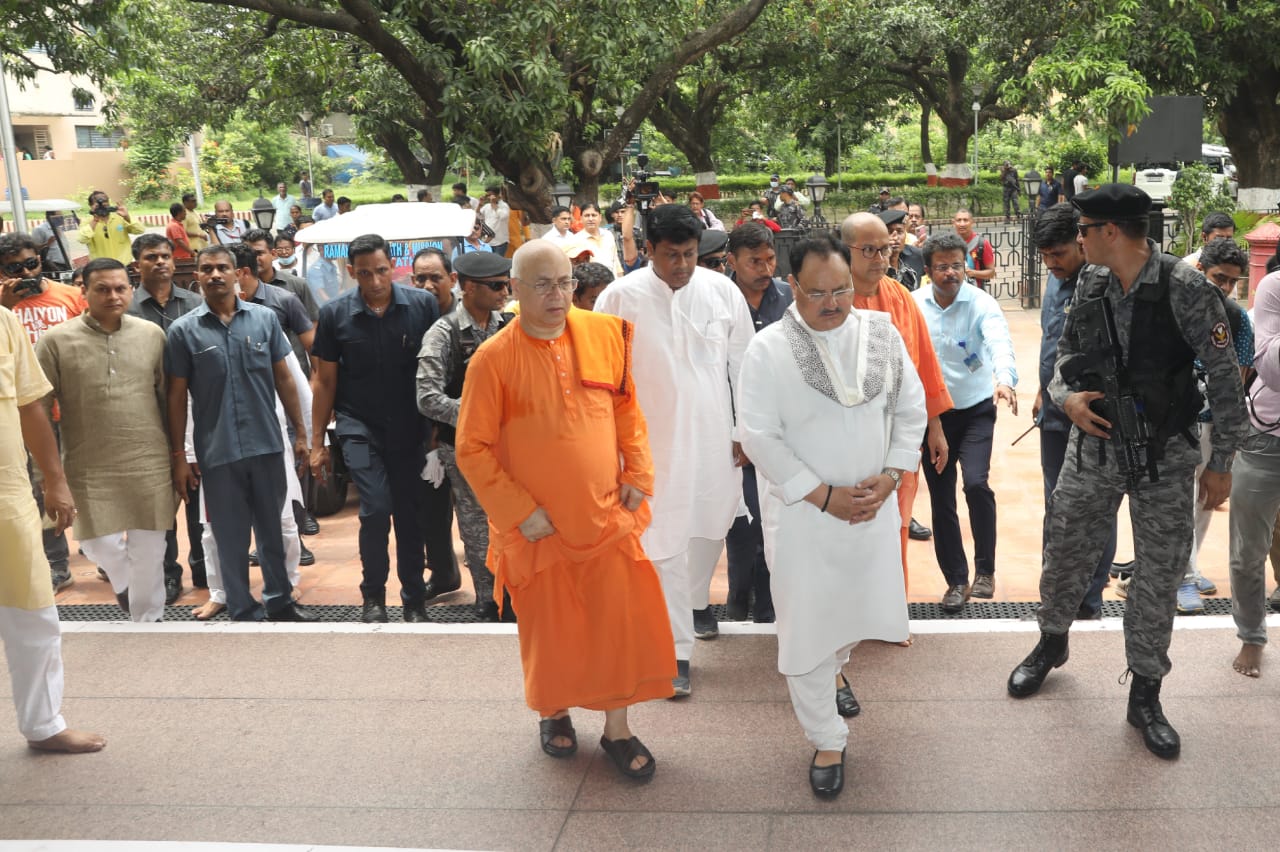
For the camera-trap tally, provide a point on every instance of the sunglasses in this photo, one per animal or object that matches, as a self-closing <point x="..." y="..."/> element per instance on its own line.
<point x="712" y="262"/>
<point x="1083" y="227"/>
<point x="497" y="286"/>
<point x="31" y="264"/>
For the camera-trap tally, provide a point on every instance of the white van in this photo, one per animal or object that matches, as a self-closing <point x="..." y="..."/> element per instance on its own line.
<point x="1157" y="180"/>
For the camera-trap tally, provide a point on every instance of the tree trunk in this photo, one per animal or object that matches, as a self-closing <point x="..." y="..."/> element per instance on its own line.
<point x="926" y="153"/>
<point x="958" y="135"/>
<point x="831" y="160"/>
<point x="1250" y="124"/>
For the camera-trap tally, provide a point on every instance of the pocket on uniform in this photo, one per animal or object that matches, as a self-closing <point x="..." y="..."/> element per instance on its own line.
<point x="713" y="340"/>
<point x="356" y="454"/>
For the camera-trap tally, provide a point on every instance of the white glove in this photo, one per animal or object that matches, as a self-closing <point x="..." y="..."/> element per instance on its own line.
<point x="433" y="472"/>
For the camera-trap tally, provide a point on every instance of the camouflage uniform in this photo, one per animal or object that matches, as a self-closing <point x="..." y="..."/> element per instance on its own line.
<point x="446" y="348"/>
<point x="1089" y="492"/>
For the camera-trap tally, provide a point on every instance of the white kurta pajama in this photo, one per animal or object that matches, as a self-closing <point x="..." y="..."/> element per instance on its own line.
<point x="688" y="348"/>
<point x="834" y="583"/>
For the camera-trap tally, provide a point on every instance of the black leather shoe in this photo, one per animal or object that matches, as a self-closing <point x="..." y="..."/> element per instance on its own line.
<point x="917" y="531"/>
<point x="415" y="613"/>
<point x="442" y="583"/>
<point x="954" y="598"/>
<point x="1050" y="653"/>
<point x="294" y="611"/>
<point x="122" y="601"/>
<point x="846" y="705"/>
<point x="309" y="525"/>
<point x="827" y="781"/>
<point x="307" y="558"/>
<point x="172" y="589"/>
<point x="1146" y="715"/>
<point x="373" y="611"/>
<point x="488" y="612"/>
<point x="735" y="611"/>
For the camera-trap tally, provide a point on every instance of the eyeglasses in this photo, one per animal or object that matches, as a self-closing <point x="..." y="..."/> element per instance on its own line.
<point x="496" y="286"/>
<point x="31" y="264"/>
<point x="1082" y="228"/>
<point x="544" y="287"/>
<point x="823" y="295"/>
<point x="871" y="251"/>
<point x="947" y="267"/>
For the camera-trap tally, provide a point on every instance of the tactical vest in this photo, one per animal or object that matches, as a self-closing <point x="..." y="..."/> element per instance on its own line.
<point x="465" y="344"/>
<point x="1159" y="368"/>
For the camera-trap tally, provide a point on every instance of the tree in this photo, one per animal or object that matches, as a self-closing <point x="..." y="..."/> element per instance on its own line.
<point x="522" y="85"/>
<point x="82" y="37"/>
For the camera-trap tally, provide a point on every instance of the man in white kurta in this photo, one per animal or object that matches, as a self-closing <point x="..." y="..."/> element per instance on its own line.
<point x="692" y="327"/>
<point x="832" y="412"/>
<point x="28" y="619"/>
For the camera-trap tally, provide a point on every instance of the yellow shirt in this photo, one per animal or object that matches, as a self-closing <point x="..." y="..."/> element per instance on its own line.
<point x="195" y="234"/>
<point x="24" y="571"/>
<point x="110" y="239"/>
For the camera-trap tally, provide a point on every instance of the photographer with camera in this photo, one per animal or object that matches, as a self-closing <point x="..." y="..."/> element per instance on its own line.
<point x="223" y="228"/>
<point x="39" y="304"/>
<point x="108" y="232"/>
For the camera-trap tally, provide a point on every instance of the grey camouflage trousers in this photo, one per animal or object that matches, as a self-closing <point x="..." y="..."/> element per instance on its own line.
<point x="1080" y="514"/>
<point x="473" y="526"/>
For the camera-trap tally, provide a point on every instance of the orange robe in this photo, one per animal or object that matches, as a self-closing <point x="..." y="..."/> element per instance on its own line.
<point x="544" y="423"/>
<point x="895" y="300"/>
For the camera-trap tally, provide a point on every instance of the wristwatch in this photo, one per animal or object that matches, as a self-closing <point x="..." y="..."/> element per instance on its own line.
<point x="895" y="476"/>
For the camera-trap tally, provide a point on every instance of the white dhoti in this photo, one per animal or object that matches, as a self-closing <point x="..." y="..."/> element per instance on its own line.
<point x="33" y="650"/>
<point x="686" y="581"/>
<point x="134" y="562"/>
<point x="813" y="697"/>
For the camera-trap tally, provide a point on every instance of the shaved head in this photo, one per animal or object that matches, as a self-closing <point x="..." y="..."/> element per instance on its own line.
<point x="852" y="227"/>
<point x="866" y="233"/>
<point x="542" y="280"/>
<point x="531" y="258"/>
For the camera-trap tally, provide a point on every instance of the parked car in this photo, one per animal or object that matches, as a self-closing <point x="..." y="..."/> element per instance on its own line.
<point x="1157" y="179"/>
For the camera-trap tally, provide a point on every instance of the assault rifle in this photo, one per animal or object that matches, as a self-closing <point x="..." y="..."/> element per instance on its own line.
<point x="1102" y="356"/>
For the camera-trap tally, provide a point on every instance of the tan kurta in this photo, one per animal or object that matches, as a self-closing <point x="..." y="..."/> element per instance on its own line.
<point x="24" y="570"/>
<point x="110" y="387"/>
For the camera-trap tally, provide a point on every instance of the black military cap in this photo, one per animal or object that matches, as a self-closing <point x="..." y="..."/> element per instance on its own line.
<point x="711" y="242"/>
<point x="1113" y="202"/>
<point x="892" y="217"/>
<point x="481" y="264"/>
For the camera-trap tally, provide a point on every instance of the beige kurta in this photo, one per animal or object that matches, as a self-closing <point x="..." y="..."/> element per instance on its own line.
<point x="110" y="388"/>
<point x="24" y="570"/>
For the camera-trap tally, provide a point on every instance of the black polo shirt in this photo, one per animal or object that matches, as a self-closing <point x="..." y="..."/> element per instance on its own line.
<point x="377" y="360"/>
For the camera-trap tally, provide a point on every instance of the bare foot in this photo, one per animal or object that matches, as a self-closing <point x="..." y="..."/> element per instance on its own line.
<point x="560" y="742"/>
<point x="71" y="742"/>
<point x="1249" y="661"/>
<point x="207" y="610"/>
<point x="905" y="643"/>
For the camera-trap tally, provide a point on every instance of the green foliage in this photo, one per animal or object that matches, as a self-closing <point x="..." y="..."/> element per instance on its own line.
<point x="1092" y="153"/>
<point x="147" y="169"/>
<point x="1193" y="195"/>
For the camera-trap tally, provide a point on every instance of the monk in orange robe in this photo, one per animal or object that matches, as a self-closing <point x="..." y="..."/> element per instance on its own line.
<point x="866" y="233"/>
<point x="553" y="442"/>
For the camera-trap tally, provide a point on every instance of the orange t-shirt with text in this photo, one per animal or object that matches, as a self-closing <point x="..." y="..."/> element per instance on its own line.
<point x="57" y="304"/>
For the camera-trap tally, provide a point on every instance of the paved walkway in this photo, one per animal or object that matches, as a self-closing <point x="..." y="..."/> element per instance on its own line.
<point x="419" y="737"/>
<point x="1015" y="477"/>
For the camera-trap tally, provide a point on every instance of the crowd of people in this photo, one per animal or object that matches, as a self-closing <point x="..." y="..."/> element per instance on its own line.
<point x="605" y="409"/>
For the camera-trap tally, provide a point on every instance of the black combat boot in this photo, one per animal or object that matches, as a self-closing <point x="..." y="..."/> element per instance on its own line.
<point x="1050" y="653"/>
<point x="1146" y="715"/>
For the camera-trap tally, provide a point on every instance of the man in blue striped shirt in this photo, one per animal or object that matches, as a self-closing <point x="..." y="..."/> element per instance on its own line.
<point x="972" y="341"/>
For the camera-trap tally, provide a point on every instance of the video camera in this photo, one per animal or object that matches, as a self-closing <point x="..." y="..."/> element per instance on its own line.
<point x="104" y="210"/>
<point x="645" y="189"/>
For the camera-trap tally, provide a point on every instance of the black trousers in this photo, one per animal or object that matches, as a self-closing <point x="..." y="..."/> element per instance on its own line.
<point x="435" y="518"/>
<point x="389" y="482"/>
<point x="195" y="545"/>
<point x="240" y="496"/>
<point x="744" y="549"/>
<point x="969" y="433"/>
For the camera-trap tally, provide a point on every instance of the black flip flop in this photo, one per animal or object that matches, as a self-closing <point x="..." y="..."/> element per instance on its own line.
<point x="552" y="728"/>
<point x="622" y="752"/>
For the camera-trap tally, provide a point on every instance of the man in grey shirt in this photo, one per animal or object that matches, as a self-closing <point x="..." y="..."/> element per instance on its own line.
<point x="231" y="355"/>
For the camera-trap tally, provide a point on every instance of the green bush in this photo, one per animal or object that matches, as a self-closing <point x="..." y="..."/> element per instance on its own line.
<point x="147" y="175"/>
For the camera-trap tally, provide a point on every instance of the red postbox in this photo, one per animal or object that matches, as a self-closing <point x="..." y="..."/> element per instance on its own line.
<point x="1262" y="242"/>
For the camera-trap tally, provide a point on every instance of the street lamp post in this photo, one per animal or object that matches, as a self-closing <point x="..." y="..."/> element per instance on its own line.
<point x="563" y="194"/>
<point x="1030" y="295"/>
<point x="818" y="192"/>
<point x="263" y="211"/>
<point x="305" y="115"/>
<point x="977" y="108"/>
<point x="1031" y="180"/>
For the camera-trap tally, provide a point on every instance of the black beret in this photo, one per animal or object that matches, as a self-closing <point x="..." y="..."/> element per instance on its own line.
<point x="1113" y="202"/>
<point x="892" y="217"/>
<point x="711" y="242"/>
<point x="481" y="264"/>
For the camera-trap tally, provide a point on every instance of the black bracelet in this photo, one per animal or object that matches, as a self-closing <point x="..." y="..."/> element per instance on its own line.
<point x="826" y="501"/>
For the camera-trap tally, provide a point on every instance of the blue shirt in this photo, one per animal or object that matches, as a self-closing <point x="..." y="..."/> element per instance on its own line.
<point x="466" y="247"/>
<point x="377" y="358"/>
<point x="230" y="375"/>
<point x="1053" y="317"/>
<point x="972" y="340"/>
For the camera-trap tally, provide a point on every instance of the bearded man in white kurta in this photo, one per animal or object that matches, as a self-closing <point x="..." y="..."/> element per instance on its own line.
<point x="692" y="327"/>
<point x="831" y="412"/>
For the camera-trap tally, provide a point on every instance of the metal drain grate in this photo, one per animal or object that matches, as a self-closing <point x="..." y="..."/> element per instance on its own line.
<point x="465" y="613"/>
